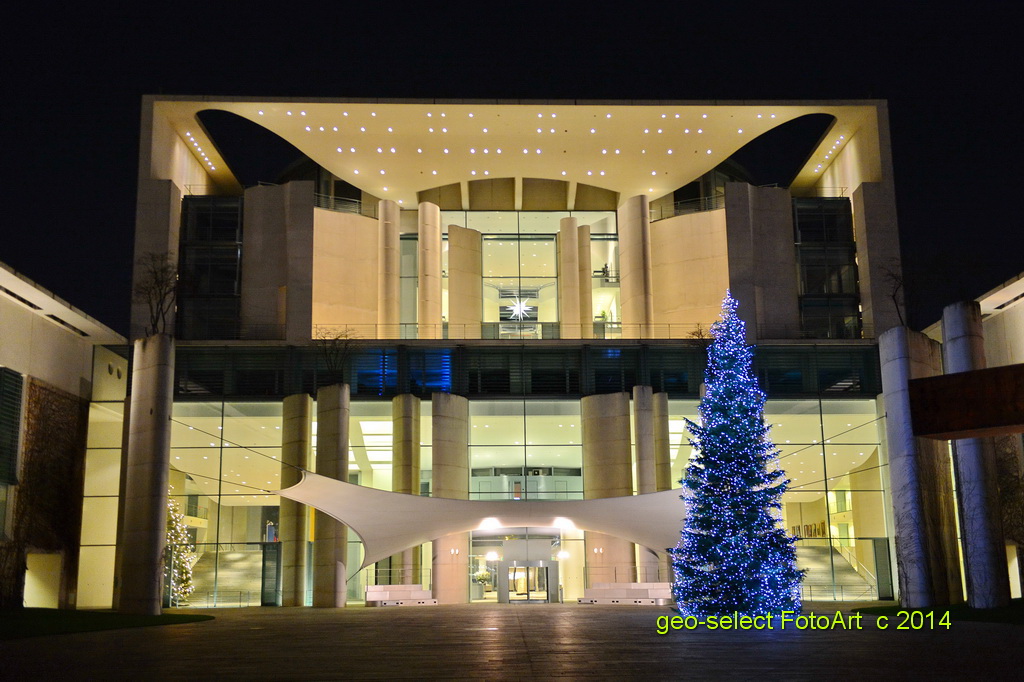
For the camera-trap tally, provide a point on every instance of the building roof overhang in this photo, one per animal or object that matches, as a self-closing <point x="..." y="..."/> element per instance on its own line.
<point x="395" y="149"/>
<point x="45" y="304"/>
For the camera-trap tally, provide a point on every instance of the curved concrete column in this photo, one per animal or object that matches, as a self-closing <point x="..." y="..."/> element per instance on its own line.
<point x="568" y="279"/>
<point x="635" y="270"/>
<point x="974" y="465"/>
<point x="465" y="283"/>
<point x="450" y="479"/>
<point x="389" y="276"/>
<point x="405" y="472"/>
<point x="922" y="498"/>
<point x="148" y="458"/>
<point x="428" y="259"/>
<point x="296" y="451"/>
<point x="330" y="542"/>
<point x="607" y="472"/>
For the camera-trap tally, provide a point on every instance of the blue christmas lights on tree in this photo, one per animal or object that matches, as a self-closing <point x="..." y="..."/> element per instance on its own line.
<point x="733" y="555"/>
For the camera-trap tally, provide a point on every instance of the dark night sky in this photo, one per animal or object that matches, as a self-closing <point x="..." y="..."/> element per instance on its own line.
<point x="73" y="81"/>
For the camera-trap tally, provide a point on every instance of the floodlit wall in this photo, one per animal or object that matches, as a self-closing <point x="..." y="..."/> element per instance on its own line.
<point x="345" y="264"/>
<point x="33" y="345"/>
<point x="691" y="270"/>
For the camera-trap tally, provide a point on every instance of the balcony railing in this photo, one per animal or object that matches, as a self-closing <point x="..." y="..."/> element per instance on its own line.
<point x="661" y="211"/>
<point x="343" y="205"/>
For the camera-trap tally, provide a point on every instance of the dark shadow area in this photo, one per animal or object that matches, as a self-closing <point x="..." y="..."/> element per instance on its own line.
<point x="777" y="156"/>
<point x="253" y="153"/>
<point x="23" y="623"/>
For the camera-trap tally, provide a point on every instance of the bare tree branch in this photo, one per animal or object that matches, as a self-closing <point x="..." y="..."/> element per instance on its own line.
<point x="156" y="285"/>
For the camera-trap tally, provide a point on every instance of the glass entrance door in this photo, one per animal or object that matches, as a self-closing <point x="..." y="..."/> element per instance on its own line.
<point x="527" y="583"/>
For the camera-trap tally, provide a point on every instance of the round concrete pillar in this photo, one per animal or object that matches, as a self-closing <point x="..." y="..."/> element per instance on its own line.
<point x="405" y="473"/>
<point x="296" y="450"/>
<point x="388" y="277"/>
<point x="450" y="479"/>
<point x="428" y="260"/>
<point x="635" y="270"/>
<point x="919" y="478"/>
<point x="607" y="472"/>
<point x="974" y="466"/>
<point x="148" y="458"/>
<point x="568" y="279"/>
<point x="330" y="544"/>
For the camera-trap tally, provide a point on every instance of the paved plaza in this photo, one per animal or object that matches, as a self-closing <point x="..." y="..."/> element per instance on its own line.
<point x="507" y="642"/>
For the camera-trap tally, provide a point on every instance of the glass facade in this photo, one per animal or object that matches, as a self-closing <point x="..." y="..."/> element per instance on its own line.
<point x="225" y="460"/>
<point x="827" y="260"/>
<point x="519" y="265"/>
<point x="210" y="267"/>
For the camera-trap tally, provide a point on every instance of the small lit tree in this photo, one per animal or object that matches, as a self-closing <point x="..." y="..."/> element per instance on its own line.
<point x="181" y="553"/>
<point x="733" y="555"/>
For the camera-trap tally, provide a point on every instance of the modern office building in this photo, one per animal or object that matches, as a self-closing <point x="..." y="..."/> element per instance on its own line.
<point x="53" y="361"/>
<point x="517" y="296"/>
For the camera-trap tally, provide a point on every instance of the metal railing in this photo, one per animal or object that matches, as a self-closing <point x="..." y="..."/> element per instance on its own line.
<point x="711" y="203"/>
<point x="344" y="205"/>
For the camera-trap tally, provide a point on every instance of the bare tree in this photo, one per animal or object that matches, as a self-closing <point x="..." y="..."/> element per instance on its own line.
<point x="156" y="285"/>
<point x="892" y="275"/>
<point x="336" y="344"/>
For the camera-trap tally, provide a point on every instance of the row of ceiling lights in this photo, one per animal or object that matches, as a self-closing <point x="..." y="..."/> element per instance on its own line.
<point x="830" y="153"/>
<point x="485" y="150"/>
<point x="199" y="150"/>
<point x="430" y="114"/>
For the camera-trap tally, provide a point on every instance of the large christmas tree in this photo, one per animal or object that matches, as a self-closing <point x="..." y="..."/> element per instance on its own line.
<point x="733" y="554"/>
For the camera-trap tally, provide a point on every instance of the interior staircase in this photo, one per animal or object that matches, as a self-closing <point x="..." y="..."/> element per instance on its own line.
<point x="818" y="585"/>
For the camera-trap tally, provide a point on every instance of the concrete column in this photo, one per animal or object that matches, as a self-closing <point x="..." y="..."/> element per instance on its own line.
<point x="974" y="464"/>
<point x="296" y="450"/>
<point x="405" y="471"/>
<point x="635" y="267"/>
<point x="585" y="275"/>
<point x="878" y="255"/>
<point x="607" y="472"/>
<point x="450" y="476"/>
<point x="428" y="258"/>
<point x="465" y="283"/>
<point x="646" y="474"/>
<point x="643" y="436"/>
<point x="330" y="543"/>
<point x="920" y="481"/>
<point x="145" y="493"/>
<point x="662" y="445"/>
<point x="388" y="277"/>
<point x="568" y="279"/>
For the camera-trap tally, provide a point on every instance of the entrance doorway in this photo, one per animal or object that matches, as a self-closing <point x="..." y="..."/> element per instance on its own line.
<point x="527" y="584"/>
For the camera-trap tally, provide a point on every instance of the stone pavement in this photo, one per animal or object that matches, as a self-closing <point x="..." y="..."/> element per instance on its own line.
<point x="502" y="641"/>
